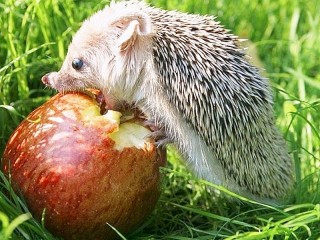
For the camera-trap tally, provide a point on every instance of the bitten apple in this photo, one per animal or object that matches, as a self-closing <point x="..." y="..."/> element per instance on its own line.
<point x="82" y="170"/>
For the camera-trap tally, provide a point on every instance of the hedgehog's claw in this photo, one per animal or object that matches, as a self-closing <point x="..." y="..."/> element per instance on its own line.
<point x="160" y="138"/>
<point x="163" y="142"/>
<point x="158" y="133"/>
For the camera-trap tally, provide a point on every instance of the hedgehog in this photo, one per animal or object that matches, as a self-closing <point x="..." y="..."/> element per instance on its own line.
<point x="192" y="80"/>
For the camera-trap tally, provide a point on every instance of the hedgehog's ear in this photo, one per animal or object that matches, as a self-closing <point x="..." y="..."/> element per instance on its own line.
<point x="134" y="27"/>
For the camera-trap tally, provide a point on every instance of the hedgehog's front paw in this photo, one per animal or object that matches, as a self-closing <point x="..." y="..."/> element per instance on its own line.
<point x="160" y="138"/>
<point x="158" y="133"/>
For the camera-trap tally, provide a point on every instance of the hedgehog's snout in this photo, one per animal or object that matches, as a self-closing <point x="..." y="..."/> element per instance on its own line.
<point x="45" y="79"/>
<point x="48" y="79"/>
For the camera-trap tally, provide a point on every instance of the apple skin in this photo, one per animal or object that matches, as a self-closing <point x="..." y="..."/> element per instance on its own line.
<point x="65" y="165"/>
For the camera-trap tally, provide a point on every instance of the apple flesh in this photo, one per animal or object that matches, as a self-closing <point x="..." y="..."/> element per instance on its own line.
<point x="82" y="170"/>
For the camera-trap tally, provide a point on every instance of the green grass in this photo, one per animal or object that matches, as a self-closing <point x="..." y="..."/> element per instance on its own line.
<point x="34" y="35"/>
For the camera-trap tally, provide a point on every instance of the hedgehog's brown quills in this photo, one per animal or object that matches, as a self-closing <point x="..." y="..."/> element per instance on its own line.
<point x="188" y="75"/>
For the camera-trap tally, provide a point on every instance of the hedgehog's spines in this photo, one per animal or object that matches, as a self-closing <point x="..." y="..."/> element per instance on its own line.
<point x="207" y="78"/>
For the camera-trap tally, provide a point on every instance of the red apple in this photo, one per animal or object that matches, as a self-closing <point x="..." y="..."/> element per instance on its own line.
<point x="83" y="170"/>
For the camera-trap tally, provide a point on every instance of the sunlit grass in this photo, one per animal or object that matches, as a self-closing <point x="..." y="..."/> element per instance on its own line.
<point x="34" y="35"/>
<point x="15" y="220"/>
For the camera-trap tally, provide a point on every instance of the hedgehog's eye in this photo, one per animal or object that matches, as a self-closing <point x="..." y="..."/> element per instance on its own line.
<point x="77" y="63"/>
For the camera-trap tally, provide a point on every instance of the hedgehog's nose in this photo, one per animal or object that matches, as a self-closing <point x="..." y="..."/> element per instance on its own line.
<point x="45" y="79"/>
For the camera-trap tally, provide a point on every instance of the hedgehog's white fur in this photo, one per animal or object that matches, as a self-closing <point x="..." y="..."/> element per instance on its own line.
<point x="188" y="75"/>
